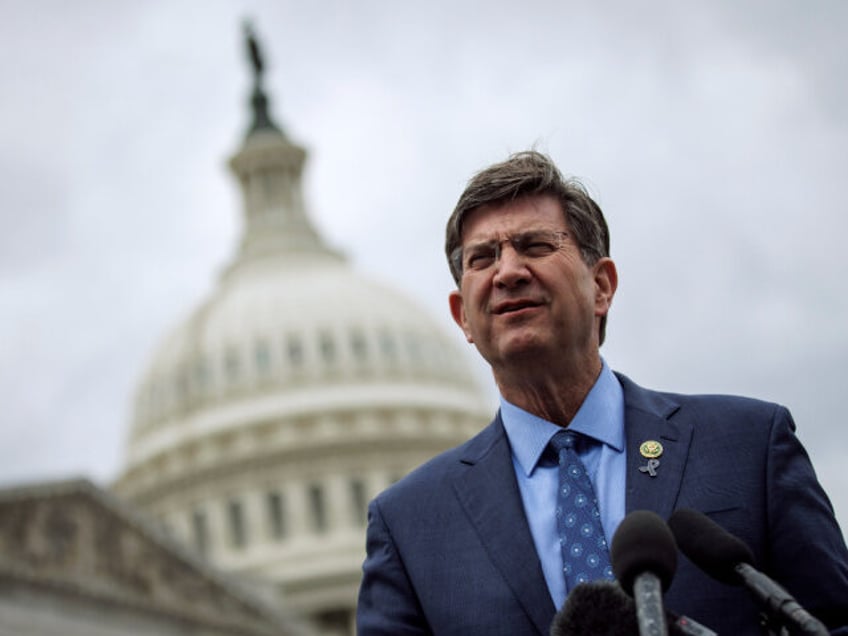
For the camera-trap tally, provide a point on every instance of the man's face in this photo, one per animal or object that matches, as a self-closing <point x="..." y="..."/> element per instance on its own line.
<point x="532" y="307"/>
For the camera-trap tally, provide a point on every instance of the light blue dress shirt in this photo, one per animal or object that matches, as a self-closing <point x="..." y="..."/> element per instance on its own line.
<point x="600" y="417"/>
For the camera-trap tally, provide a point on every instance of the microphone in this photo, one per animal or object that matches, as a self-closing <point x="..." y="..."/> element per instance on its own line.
<point x="729" y="560"/>
<point x="601" y="608"/>
<point x="644" y="560"/>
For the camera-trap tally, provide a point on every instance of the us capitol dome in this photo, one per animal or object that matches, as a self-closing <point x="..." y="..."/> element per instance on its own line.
<point x="268" y="419"/>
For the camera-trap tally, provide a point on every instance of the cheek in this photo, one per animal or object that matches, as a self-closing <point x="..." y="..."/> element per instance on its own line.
<point x="475" y="298"/>
<point x="475" y="314"/>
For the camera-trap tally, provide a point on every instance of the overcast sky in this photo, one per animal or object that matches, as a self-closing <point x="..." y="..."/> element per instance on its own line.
<point x="712" y="133"/>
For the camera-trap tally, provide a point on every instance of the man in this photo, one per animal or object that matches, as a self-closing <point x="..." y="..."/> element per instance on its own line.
<point x="470" y="543"/>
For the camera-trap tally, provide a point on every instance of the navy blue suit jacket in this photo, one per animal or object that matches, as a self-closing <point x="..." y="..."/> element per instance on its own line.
<point x="450" y="551"/>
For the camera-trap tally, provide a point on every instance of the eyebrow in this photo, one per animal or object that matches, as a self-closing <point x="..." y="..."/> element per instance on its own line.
<point x="511" y="235"/>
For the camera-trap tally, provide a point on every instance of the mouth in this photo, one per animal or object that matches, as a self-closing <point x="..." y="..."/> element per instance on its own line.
<point x="514" y="306"/>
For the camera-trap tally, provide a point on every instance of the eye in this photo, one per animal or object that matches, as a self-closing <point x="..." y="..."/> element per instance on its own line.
<point x="480" y="257"/>
<point x="537" y="244"/>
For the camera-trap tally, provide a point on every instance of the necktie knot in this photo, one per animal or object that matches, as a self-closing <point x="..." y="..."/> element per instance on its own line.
<point x="565" y="440"/>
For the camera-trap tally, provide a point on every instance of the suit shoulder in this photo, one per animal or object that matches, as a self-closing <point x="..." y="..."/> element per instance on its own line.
<point x="715" y="408"/>
<point x="728" y="403"/>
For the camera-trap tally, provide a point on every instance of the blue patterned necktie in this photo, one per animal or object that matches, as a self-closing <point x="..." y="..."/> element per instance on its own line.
<point x="585" y="555"/>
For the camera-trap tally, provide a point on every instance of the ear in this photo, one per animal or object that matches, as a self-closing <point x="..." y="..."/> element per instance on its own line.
<point x="606" y="282"/>
<point x="457" y="310"/>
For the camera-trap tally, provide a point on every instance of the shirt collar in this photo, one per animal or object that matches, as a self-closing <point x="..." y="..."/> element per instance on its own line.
<point x="601" y="417"/>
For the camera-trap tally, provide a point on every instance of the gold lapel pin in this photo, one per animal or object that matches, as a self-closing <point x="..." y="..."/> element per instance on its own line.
<point x="650" y="450"/>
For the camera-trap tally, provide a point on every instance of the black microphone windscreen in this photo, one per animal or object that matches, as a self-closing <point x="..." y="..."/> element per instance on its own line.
<point x="643" y="543"/>
<point x="709" y="546"/>
<point x="599" y="608"/>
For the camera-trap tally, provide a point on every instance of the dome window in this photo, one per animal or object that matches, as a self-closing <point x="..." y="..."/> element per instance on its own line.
<point x="262" y="355"/>
<point x="276" y="515"/>
<point x="295" y="351"/>
<point x="231" y="365"/>
<point x="317" y="508"/>
<point x="238" y="531"/>
<point x="359" y="501"/>
<point x="328" y="347"/>
<point x="387" y="345"/>
<point x="359" y="346"/>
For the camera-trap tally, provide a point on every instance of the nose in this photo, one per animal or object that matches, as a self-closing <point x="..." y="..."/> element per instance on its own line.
<point x="510" y="267"/>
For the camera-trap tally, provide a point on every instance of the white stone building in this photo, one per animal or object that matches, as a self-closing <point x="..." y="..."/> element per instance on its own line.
<point x="76" y="561"/>
<point x="297" y="391"/>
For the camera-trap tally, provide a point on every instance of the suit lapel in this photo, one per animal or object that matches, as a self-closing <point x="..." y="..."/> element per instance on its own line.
<point x="488" y="492"/>
<point x="648" y="417"/>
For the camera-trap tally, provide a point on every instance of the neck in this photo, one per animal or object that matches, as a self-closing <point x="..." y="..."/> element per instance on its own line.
<point x="552" y="394"/>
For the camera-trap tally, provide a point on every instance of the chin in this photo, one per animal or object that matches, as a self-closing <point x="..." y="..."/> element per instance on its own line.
<point x="531" y="349"/>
